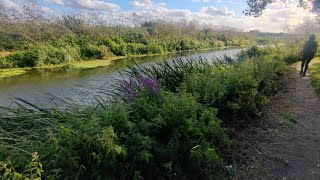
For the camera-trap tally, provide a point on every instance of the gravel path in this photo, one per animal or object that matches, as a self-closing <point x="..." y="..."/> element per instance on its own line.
<point x="303" y="149"/>
<point x="286" y="143"/>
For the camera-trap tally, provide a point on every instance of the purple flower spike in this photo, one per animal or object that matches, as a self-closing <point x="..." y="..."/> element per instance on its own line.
<point x="147" y="82"/>
<point x="132" y="87"/>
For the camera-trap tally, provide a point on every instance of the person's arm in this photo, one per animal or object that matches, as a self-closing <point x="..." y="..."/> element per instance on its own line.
<point x="300" y="54"/>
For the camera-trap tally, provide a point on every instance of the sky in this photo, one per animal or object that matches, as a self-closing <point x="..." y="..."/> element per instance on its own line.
<point x="214" y="12"/>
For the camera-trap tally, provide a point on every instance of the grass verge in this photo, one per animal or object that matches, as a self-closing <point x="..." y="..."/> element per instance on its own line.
<point x="315" y="75"/>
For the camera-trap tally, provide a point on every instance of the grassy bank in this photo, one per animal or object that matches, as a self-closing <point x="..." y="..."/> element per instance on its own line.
<point x="173" y="121"/>
<point x="67" y="39"/>
<point x="38" y="40"/>
<point x="84" y="64"/>
<point x="315" y="74"/>
<point x="73" y="65"/>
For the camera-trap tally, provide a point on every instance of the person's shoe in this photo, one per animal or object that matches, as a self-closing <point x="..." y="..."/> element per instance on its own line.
<point x="303" y="74"/>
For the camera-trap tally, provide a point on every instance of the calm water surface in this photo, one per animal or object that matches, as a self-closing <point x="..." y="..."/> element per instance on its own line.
<point x="47" y="88"/>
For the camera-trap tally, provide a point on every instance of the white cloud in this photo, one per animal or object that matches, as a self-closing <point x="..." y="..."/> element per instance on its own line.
<point x="204" y="1"/>
<point x="11" y="5"/>
<point x="88" y="4"/>
<point x="274" y="18"/>
<point x="147" y="5"/>
<point x="211" y="10"/>
<point x="47" y="10"/>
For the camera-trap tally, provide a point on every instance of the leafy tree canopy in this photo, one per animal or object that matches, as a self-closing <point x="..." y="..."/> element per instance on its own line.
<point x="256" y="7"/>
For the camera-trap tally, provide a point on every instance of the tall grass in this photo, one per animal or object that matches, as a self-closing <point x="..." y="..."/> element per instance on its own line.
<point x="171" y="120"/>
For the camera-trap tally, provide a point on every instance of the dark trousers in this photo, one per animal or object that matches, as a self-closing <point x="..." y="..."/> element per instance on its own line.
<point x="306" y="58"/>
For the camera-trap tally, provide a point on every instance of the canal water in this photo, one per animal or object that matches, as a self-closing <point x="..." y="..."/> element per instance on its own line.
<point x="61" y="86"/>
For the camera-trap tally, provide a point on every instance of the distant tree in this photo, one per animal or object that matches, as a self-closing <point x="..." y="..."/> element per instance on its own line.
<point x="254" y="32"/>
<point x="256" y="7"/>
<point x="306" y="28"/>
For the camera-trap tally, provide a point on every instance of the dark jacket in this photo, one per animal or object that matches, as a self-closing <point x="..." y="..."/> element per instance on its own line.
<point x="309" y="50"/>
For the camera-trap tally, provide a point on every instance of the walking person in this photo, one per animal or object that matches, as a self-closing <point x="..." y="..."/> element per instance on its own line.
<point x="307" y="54"/>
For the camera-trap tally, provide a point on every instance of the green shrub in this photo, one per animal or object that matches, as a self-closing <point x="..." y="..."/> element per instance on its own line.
<point x="238" y="88"/>
<point x="134" y="48"/>
<point x="164" y="135"/>
<point x="32" y="171"/>
<point x="72" y="53"/>
<point x="29" y="58"/>
<point x="52" y="55"/>
<point x="12" y="41"/>
<point x="90" y="51"/>
<point x="174" y="132"/>
<point x="118" y="47"/>
<point x="5" y="63"/>
<point x="153" y="48"/>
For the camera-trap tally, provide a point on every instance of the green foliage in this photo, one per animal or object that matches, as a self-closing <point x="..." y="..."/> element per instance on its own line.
<point x="41" y="55"/>
<point x="69" y="38"/>
<point x="33" y="170"/>
<point x="315" y="77"/>
<point x="238" y="88"/>
<point x="28" y="58"/>
<point x="90" y="51"/>
<point x="134" y="48"/>
<point x="11" y="42"/>
<point x="168" y="135"/>
<point x="163" y="131"/>
<point x="178" y="132"/>
<point x="288" y="53"/>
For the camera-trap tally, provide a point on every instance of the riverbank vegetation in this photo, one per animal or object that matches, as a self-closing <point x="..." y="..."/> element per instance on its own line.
<point x="315" y="74"/>
<point x="28" y="38"/>
<point x="174" y="120"/>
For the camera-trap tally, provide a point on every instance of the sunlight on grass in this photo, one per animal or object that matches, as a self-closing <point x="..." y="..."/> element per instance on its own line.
<point x="75" y="65"/>
<point x="94" y="63"/>
<point x="12" y="72"/>
<point x="4" y="53"/>
<point x="315" y="75"/>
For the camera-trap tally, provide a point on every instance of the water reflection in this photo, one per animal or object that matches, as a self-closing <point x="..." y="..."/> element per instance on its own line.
<point x="56" y="87"/>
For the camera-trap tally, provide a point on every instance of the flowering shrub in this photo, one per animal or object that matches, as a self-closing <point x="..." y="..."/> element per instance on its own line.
<point x="132" y="87"/>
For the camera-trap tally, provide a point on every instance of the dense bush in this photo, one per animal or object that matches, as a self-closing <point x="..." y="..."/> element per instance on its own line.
<point x="40" y="55"/>
<point x="90" y="51"/>
<point x="168" y="121"/>
<point x="52" y="40"/>
<point x="12" y="41"/>
<point x="237" y="88"/>
<point x="155" y="135"/>
<point x="28" y="58"/>
<point x="288" y="53"/>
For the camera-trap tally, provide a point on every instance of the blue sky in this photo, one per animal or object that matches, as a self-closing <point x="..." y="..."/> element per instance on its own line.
<point x="188" y="4"/>
<point x="205" y="12"/>
<point x="194" y="5"/>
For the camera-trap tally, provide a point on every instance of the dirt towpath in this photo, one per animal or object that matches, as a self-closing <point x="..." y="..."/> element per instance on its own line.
<point x="286" y="145"/>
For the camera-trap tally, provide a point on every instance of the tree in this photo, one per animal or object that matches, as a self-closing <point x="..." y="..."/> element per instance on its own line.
<point x="256" y="7"/>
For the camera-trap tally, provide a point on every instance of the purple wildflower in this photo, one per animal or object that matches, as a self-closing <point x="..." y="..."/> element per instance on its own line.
<point x="132" y="87"/>
<point x="129" y="89"/>
<point x="150" y="83"/>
